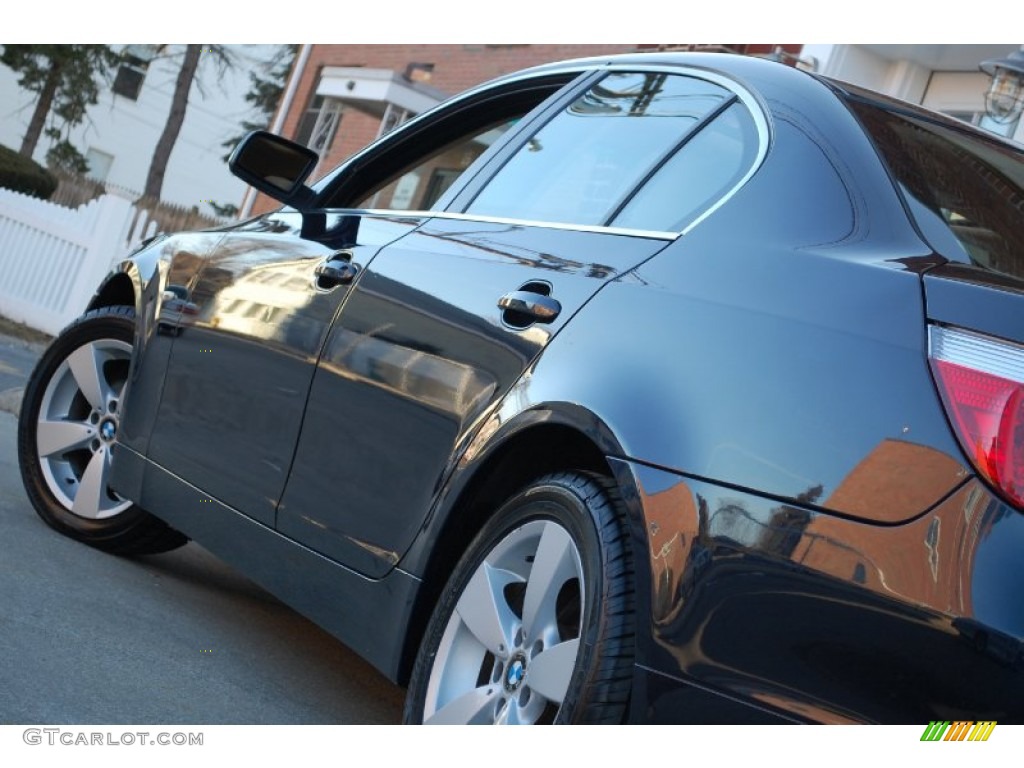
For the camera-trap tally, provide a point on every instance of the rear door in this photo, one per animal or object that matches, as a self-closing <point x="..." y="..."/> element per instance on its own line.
<point x="444" y="321"/>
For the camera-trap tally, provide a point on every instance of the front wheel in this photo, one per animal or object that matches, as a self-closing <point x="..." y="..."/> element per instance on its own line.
<point x="536" y="624"/>
<point x="70" y="416"/>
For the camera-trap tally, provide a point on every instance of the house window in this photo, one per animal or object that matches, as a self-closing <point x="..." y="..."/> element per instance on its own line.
<point x="319" y="124"/>
<point x="440" y="180"/>
<point x="99" y="164"/>
<point x="131" y="73"/>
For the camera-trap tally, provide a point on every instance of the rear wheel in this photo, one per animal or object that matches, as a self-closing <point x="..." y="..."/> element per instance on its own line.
<point x="536" y="624"/>
<point x="70" y="416"/>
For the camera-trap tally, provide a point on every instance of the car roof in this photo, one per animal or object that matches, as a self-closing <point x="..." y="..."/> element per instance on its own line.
<point x="735" y="65"/>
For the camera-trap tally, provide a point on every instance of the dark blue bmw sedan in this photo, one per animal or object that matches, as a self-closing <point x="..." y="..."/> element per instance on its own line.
<point x="656" y="388"/>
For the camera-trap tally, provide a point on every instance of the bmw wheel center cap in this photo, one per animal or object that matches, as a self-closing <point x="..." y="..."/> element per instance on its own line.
<point x="515" y="674"/>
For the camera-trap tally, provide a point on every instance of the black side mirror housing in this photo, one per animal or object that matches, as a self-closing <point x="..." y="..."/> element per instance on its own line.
<point x="275" y="166"/>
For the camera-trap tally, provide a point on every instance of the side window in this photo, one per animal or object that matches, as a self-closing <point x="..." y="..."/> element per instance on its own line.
<point x="679" y="139"/>
<point x="413" y="167"/>
<point x="697" y="175"/>
<point x="419" y="185"/>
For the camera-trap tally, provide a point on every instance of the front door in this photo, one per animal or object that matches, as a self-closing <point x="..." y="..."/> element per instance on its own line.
<point x="244" y="353"/>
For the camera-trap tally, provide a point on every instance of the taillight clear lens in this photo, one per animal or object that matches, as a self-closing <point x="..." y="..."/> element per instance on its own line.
<point x="981" y="381"/>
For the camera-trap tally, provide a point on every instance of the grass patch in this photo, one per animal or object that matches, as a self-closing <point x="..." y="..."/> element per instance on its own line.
<point x="21" y="331"/>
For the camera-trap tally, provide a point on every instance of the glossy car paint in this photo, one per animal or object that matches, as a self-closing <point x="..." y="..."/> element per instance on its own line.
<point x="825" y="618"/>
<point x="238" y="377"/>
<point x="813" y="544"/>
<point x="963" y="295"/>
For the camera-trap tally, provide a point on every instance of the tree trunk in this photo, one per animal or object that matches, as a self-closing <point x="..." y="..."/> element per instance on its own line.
<point x="162" y="153"/>
<point x="35" y="125"/>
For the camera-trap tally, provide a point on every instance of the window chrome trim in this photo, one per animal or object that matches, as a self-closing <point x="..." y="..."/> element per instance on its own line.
<point x="757" y="113"/>
<point x="650" y="234"/>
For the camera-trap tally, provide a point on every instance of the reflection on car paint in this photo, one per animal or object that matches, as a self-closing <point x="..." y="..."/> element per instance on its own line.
<point x="774" y="576"/>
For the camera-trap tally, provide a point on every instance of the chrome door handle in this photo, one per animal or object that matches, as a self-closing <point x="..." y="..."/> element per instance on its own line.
<point x="543" y="309"/>
<point x="331" y="274"/>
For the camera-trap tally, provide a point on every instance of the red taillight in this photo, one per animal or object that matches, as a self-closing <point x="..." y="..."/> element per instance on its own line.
<point x="981" y="381"/>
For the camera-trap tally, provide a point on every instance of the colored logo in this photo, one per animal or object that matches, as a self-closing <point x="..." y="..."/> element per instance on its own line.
<point x="960" y="730"/>
<point x="515" y="674"/>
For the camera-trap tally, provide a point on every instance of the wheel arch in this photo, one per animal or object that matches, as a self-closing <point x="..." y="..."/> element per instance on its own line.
<point x="120" y="288"/>
<point x="131" y="284"/>
<point x="138" y="281"/>
<point x="499" y="462"/>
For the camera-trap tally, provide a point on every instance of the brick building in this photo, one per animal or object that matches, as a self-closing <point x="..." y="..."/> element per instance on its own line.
<point x="341" y="97"/>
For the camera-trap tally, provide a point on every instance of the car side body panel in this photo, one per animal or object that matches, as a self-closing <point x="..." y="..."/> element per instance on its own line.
<point x="751" y="331"/>
<point x="166" y="262"/>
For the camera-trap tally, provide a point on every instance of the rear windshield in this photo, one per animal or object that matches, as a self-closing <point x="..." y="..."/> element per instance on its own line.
<point x="975" y="185"/>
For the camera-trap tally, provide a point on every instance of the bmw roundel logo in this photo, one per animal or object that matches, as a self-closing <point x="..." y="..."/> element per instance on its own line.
<point x="108" y="430"/>
<point x="516" y="670"/>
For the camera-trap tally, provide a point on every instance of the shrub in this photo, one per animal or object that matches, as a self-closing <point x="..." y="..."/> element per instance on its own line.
<point x="24" y="175"/>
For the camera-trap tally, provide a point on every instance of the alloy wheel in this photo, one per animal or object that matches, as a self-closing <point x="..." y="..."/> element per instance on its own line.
<point x="510" y="647"/>
<point x="78" y="421"/>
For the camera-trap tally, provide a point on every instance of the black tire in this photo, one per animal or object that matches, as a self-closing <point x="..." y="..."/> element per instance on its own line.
<point x="519" y="546"/>
<point x="62" y="480"/>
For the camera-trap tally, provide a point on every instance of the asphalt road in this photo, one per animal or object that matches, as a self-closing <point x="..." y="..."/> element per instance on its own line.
<point x="178" y="638"/>
<point x="17" y="358"/>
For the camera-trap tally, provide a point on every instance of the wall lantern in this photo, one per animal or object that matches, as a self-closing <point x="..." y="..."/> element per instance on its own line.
<point x="1004" y="98"/>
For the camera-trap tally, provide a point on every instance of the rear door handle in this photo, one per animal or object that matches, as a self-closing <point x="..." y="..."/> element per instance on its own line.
<point x="337" y="270"/>
<point x="543" y="309"/>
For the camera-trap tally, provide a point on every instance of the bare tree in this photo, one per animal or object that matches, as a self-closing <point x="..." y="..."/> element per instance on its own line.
<point x="179" y="104"/>
<point x="169" y="136"/>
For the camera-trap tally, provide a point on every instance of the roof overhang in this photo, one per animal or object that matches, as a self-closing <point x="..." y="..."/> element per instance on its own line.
<point x="372" y="90"/>
<point x="956" y="57"/>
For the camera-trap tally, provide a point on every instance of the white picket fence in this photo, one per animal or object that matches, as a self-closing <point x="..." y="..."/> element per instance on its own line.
<point x="52" y="258"/>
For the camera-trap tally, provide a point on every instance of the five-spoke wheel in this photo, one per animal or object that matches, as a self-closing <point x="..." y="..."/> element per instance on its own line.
<point x="541" y="596"/>
<point x="77" y="425"/>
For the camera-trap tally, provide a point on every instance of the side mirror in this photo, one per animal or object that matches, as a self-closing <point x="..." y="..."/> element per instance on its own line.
<point x="275" y="166"/>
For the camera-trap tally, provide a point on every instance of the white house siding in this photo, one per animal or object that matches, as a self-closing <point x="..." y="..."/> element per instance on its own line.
<point x="128" y="130"/>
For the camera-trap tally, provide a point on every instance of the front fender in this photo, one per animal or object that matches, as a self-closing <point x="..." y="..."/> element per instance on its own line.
<point x="168" y="262"/>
